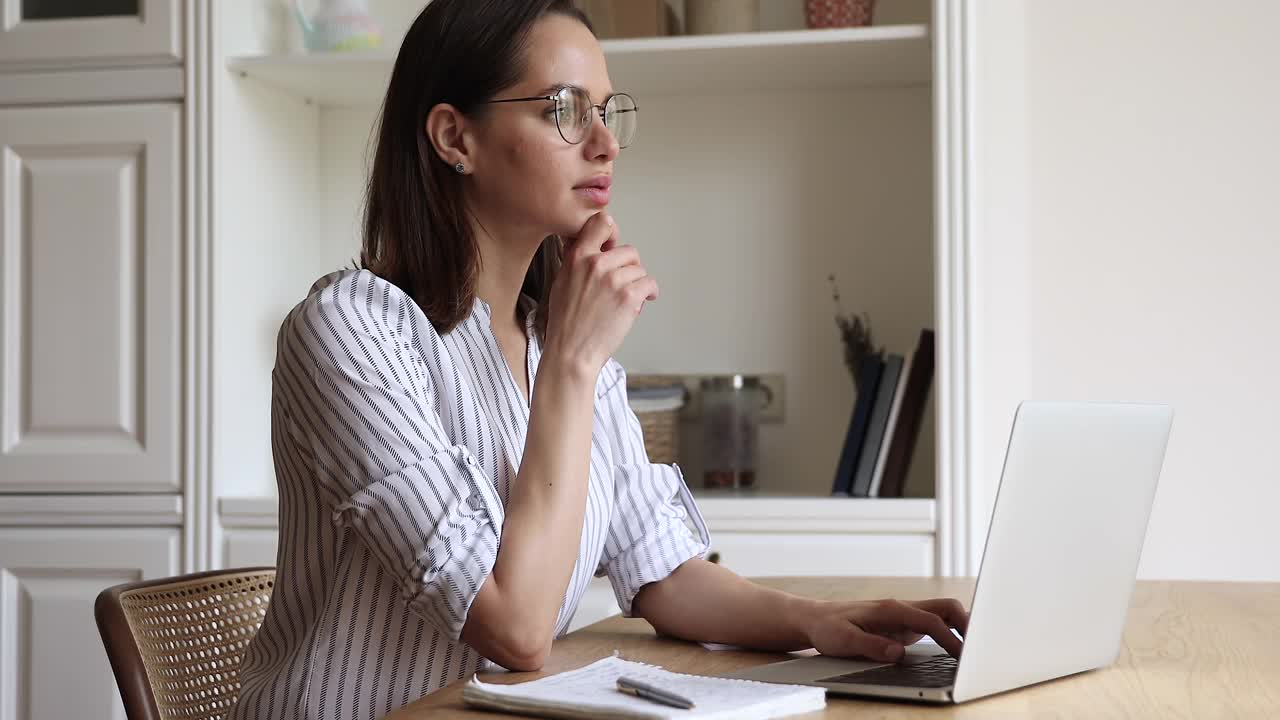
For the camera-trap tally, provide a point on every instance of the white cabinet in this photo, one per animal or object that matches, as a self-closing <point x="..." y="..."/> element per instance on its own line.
<point x="824" y="554"/>
<point x="93" y="296"/>
<point x="772" y="536"/>
<point x="90" y="315"/>
<point x="52" y="665"/>
<point x="90" y="33"/>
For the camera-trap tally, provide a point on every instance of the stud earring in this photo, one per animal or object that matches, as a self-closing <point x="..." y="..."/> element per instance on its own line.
<point x="460" y="169"/>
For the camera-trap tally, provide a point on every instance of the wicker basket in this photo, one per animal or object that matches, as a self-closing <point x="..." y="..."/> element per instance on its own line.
<point x="657" y="407"/>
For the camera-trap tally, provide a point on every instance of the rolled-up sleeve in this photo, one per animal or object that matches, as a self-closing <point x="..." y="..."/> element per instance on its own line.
<point x="648" y="534"/>
<point x="394" y="480"/>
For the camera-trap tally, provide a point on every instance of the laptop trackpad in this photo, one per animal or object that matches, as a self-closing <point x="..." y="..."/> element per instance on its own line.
<point x="807" y="670"/>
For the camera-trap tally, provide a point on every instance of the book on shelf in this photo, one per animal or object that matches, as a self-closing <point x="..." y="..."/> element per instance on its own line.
<point x="895" y="410"/>
<point x="868" y="380"/>
<point x="880" y="408"/>
<point x="887" y="415"/>
<point x="901" y="439"/>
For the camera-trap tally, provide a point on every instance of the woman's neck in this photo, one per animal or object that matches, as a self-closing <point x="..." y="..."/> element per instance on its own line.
<point x="505" y="254"/>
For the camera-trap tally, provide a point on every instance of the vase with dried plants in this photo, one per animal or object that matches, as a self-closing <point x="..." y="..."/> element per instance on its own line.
<point x="855" y="335"/>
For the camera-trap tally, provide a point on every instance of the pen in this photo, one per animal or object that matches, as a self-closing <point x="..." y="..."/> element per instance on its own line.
<point x="649" y="692"/>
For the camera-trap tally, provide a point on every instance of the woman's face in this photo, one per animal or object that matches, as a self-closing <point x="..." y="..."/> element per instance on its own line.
<point x="527" y="176"/>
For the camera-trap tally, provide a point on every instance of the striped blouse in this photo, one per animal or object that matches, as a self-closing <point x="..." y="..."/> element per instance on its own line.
<point x="395" y="448"/>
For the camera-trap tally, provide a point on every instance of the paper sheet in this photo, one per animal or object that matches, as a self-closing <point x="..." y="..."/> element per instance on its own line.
<point x="593" y="690"/>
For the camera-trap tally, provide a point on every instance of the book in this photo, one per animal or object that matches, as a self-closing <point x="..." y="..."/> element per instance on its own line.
<point x="591" y="692"/>
<point x="875" y="426"/>
<point x="877" y="475"/>
<point x="868" y="379"/>
<point x="909" y="418"/>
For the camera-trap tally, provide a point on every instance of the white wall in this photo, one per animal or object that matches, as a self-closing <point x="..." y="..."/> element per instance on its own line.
<point x="1150" y="246"/>
<point x="264" y="245"/>
<point x="997" y="187"/>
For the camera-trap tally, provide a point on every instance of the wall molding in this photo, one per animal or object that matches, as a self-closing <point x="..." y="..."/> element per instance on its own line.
<point x="248" y="512"/>
<point x="92" y="510"/>
<point x="84" y="86"/>
<point x="959" y="433"/>
<point x="199" y="528"/>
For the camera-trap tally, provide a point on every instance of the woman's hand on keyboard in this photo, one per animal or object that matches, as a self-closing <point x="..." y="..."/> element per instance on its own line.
<point x="880" y="629"/>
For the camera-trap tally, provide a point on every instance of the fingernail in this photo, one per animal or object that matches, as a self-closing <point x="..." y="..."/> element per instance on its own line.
<point x="608" y="220"/>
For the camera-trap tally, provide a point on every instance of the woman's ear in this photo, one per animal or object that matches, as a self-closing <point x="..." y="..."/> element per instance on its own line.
<point x="446" y="129"/>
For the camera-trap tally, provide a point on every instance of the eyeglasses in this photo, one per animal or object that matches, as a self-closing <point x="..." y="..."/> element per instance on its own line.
<point x="574" y="110"/>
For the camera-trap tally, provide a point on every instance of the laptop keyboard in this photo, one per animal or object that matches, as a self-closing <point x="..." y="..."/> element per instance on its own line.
<point x="939" y="672"/>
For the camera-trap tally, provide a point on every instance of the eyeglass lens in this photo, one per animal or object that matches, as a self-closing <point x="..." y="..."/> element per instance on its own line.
<point x="575" y="114"/>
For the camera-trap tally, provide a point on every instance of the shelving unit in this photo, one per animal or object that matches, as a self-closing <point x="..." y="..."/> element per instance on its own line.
<point x="888" y="56"/>
<point x="828" y="109"/>
<point x="820" y="138"/>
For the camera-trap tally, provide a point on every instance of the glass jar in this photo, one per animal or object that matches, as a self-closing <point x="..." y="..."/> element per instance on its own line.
<point x="731" y="407"/>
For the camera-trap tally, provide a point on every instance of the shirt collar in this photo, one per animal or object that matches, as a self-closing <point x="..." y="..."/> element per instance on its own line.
<point x="526" y="302"/>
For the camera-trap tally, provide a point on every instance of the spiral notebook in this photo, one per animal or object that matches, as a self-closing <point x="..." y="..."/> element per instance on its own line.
<point x="591" y="692"/>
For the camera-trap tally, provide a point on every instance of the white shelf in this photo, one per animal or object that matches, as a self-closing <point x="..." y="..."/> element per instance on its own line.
<point x="878" y="56"/>
<point x="818" y="514"/>
<point x="723" y="514"/>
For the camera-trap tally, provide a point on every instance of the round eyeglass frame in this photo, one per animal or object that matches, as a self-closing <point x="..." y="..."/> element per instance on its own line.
<point x="600" y="109"/>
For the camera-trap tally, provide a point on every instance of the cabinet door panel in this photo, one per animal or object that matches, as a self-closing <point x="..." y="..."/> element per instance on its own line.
<point x="89" y="33"/>
<point x="52" y="664"/>
<point x="90" y="342"/>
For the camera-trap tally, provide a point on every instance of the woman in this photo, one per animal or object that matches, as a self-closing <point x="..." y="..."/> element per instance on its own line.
<point x="437" y="515"/>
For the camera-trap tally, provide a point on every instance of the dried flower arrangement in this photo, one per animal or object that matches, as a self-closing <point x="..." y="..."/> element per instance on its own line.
<point x="855" y="334"/>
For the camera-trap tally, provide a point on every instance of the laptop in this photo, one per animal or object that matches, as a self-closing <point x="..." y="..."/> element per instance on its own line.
<point x="1060" y="562"/>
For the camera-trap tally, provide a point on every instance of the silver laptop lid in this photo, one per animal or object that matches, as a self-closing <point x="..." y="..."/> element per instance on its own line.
<point x="1062" y="550"/>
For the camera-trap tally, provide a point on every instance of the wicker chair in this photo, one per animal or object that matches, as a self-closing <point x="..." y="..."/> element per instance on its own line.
<point x="175" y="644"/>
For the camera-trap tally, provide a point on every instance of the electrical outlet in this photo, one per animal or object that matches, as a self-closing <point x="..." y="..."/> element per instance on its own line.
<point x="774" y="410"/>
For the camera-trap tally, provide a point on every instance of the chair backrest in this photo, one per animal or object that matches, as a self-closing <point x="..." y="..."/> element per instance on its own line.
<point x="176" y="644"/>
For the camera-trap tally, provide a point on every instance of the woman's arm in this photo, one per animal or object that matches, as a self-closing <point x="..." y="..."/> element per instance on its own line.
<point x="512" y="619"/>
<point x="705" y="602"/>
<point x="594" y="300"/>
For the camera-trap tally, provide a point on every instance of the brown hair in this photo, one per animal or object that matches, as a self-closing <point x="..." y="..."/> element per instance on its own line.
<point x="416" y="233"/>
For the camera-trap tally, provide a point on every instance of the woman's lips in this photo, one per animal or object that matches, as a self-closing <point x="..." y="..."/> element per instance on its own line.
<point x="597" y="195"/>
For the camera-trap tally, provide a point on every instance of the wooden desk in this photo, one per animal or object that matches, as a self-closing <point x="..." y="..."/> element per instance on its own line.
<point x="1191" y="650"/>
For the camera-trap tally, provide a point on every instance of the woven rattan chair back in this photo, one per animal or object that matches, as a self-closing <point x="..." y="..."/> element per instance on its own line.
<point x="176" y="644"/>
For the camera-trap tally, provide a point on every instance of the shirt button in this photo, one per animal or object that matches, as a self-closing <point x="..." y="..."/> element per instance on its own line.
<point x="474" y="502"/>
<point x="471" y="461"/>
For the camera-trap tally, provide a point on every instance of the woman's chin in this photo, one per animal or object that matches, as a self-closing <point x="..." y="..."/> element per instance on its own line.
<point x="573" y="225"/>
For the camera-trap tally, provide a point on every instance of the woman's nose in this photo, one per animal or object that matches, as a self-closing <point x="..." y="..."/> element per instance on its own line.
<point x="600" y="139"/>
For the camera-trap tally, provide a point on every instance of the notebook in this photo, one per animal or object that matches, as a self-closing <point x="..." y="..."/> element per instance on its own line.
<point x="591" y="692"/>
